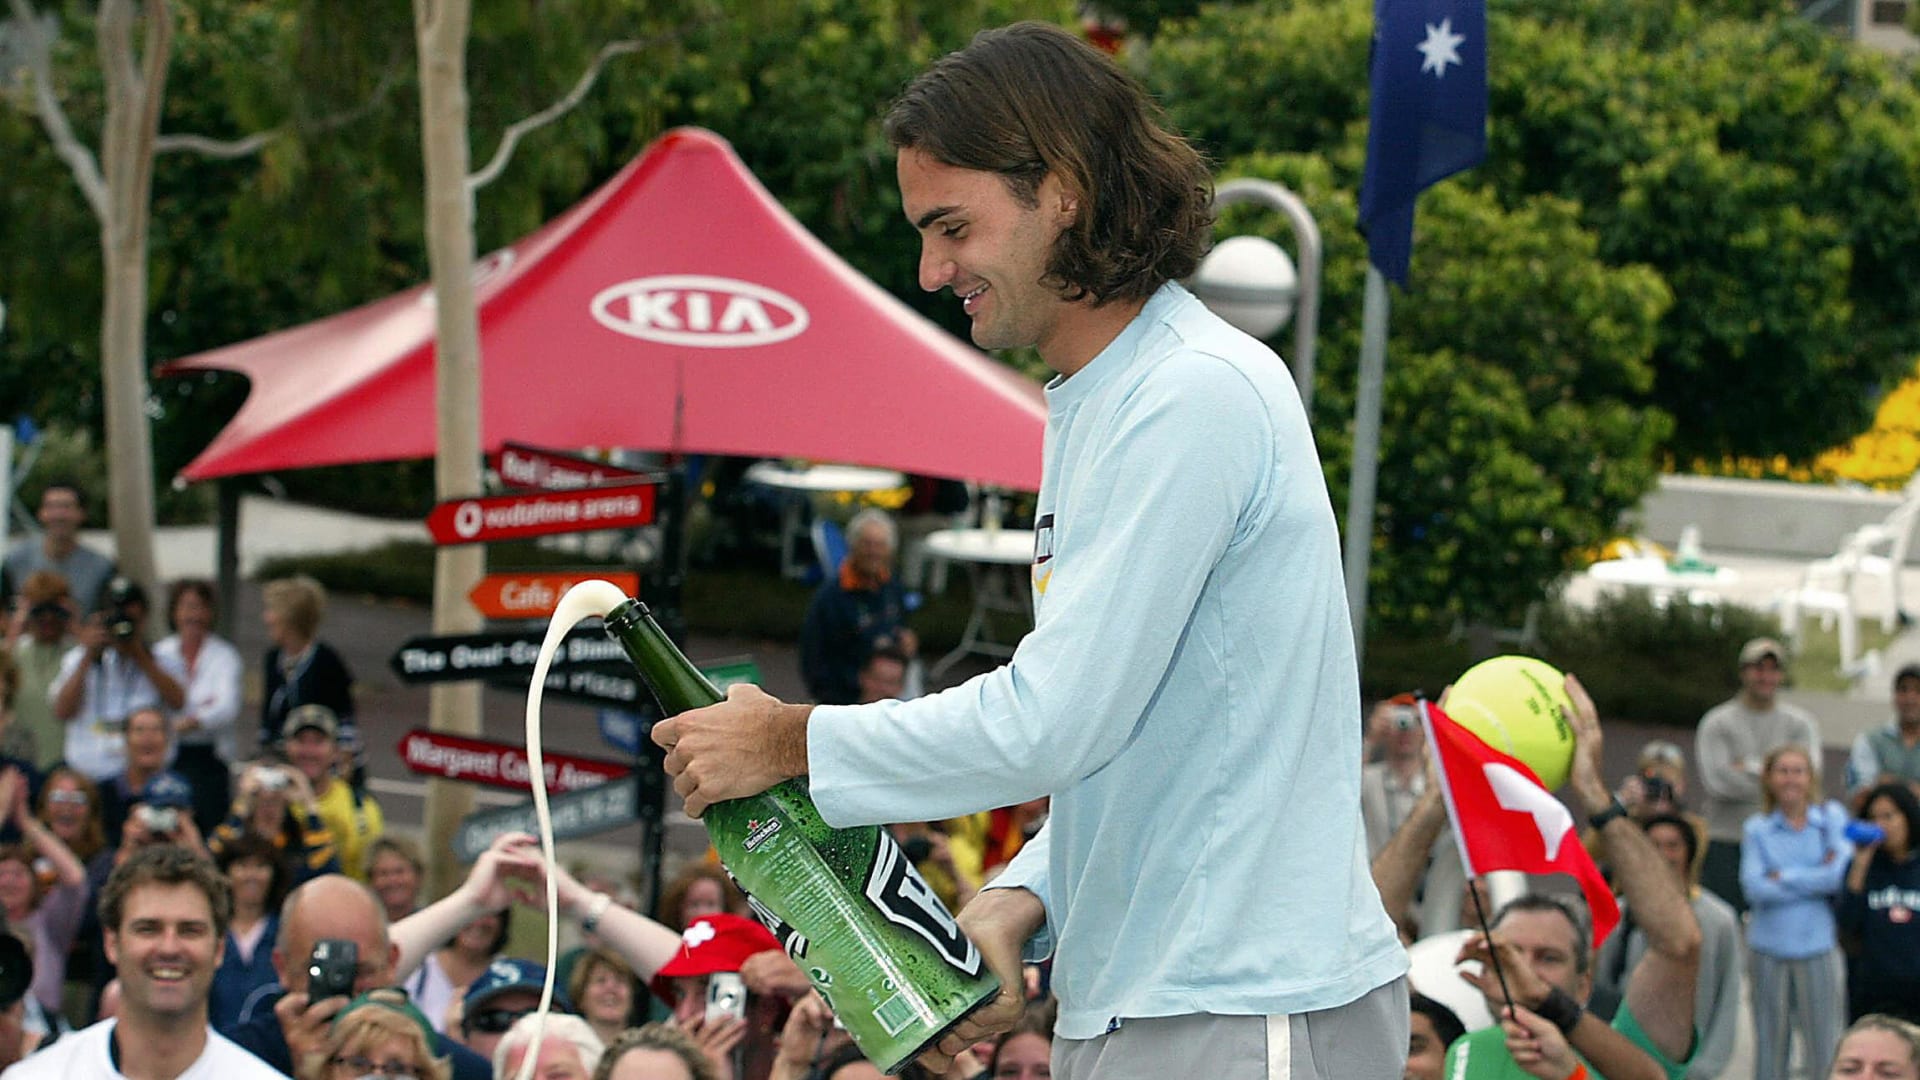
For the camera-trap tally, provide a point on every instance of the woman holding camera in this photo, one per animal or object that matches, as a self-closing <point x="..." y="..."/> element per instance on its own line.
<point x="277" y="803"/>
<point x="49" y="916"/>
<point x="204" y="726"/>
<point x="1881" y="906"/>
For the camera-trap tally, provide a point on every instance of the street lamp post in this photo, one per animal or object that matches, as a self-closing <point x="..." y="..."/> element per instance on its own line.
<point x="1250" y="282"/>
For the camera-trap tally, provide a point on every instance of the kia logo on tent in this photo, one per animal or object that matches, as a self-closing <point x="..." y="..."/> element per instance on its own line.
<point x="701" y="311"/>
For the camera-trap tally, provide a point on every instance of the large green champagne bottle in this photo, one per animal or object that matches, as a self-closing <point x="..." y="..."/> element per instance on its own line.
<point x="851" y="910"/>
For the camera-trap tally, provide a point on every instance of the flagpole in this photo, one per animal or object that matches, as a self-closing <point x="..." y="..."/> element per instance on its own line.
<point x="1459" y="834"/>
<point x="1366" y="454"/>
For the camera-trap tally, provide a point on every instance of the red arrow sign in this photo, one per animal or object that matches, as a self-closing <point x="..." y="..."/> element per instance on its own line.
<point x="531" y="467"/>
<point x="533" y="595"/>
<point x="497" y="764"/>
<point x="485" y="518"/>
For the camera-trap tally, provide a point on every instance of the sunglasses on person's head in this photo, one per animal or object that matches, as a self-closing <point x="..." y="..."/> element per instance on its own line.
<point x="363" y="1068"/>
<point x="494" y="1021"/>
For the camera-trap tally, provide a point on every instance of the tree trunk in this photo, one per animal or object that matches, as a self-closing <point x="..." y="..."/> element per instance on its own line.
<point x="440" y="34"/>
<point x="136" y="80"/>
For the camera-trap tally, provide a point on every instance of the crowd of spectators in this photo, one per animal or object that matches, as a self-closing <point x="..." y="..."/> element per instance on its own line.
<point x="1804" y="906"/>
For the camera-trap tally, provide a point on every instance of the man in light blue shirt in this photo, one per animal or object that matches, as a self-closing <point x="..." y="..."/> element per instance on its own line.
<point x="1188" y="696"/>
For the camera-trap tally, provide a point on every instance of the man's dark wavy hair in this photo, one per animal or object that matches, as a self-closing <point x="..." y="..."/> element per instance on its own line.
<point x="167" y="864"/>
<point x="1031" y="99"/>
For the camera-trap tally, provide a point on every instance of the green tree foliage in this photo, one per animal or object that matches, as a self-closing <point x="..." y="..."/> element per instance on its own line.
<point x="329" y="215"/>
<point x="1770" y="174"/>
<point x="1511" y="436"/>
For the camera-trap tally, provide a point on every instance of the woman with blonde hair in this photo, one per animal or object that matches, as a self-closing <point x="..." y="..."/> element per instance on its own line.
<point x="381" y="1034"/>
<point x="1878" y="1047"/>
<point x="300" y="668"/>
<point x="1794" y="857"/>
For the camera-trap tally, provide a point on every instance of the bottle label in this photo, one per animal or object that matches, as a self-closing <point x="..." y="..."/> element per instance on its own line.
<point x="905" y="898"/>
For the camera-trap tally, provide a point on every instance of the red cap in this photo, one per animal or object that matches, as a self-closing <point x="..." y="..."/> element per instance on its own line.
<point x="713" y="943"/>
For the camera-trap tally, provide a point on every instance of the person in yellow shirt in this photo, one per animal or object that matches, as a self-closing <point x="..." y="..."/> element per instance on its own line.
<point x="311" y="739"/>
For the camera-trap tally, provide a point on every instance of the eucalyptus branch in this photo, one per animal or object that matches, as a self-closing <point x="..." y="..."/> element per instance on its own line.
<point x="80" y="160"/>
<point x="228" y="149"/>
<point x="509" y="139"/>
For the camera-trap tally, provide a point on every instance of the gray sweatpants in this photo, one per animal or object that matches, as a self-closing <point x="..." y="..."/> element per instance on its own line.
<point x="1808" y="996"/>
<point x="1361" y="1040"/>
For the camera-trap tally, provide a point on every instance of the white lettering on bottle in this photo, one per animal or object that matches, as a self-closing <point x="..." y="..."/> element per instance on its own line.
<point x="906" y="899"/>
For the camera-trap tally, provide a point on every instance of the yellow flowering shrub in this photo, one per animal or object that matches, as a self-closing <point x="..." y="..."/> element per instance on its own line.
<point x="1884" y="457"/>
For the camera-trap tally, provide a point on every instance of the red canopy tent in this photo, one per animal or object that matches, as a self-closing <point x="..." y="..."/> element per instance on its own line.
<point x="678" y="308"/>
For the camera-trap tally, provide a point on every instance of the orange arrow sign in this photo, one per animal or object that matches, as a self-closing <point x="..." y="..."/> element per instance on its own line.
<point x="533" y="595"/>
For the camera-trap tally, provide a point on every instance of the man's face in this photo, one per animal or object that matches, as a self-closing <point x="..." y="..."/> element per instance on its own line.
<point x="60" y="512"/>
<point x="1426" y="1054"/>
<point x="166" y="950"/>
<point x="559" y="1060"/>
<point x="1551" y="947"/>
<point x="147" y="740"/>
<point x="1761" y="679"/>
<point x="985" y="245"/>
<point x="335" y="917"/>
<point x="311" y="751"/>
<point x="484" y="1028"/>
<point x="882" y="679"/>
<point x="871" y="551"/>
<point x="1672" y="847"/>
<point x="1906" y="701"/>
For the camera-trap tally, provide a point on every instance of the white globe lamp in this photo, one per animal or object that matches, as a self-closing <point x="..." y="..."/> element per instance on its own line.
<point x="1250" y="282"/>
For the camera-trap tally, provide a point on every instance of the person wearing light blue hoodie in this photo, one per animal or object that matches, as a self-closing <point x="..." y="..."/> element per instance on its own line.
<point x="1188" y="696"/>
<point x="1794" y="857"/>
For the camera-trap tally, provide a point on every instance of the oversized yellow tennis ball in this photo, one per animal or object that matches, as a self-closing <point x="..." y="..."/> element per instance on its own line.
<point x="1514" y="704"/>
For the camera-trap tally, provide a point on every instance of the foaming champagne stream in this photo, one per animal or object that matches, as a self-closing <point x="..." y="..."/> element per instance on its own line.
<point x="587" y="598"/>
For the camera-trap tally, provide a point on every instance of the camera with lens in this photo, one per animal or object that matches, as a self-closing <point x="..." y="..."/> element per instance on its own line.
<point x="158" y="820"/>
<point x="123" y="621"/>
<point x="272" y="779"/>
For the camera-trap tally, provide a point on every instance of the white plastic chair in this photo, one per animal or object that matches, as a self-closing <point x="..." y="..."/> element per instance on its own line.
<point x="1826" y="590"/>
<point x="1883" y="552"/>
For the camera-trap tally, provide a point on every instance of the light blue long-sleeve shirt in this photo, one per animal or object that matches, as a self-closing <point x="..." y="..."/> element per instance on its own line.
<point x="1188" y="696"/>
<point x="1790" y="877"/>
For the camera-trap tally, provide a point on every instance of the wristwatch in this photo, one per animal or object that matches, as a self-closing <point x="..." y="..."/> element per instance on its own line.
<point x="598" y="907"/>
<point x="1599" y="820"/>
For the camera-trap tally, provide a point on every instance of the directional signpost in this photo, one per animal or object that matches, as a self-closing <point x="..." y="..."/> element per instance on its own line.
<point x="522" y="466"/>
<point x="533" y="594"/>
<point x="478" y="656"/>
<point x="575" y="814"/>
<point x="498" y="764"/>
<point x="483" y="519"/>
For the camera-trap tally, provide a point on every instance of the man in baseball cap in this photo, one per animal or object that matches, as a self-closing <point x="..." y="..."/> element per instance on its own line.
<point x="1731" y="743"/>
<point x="311" y="738"/>
<point x="508" y="990"/>
<point x="702" y="982"/>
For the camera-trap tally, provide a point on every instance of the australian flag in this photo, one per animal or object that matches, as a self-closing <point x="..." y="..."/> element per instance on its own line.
<point x="1428" y="117"/>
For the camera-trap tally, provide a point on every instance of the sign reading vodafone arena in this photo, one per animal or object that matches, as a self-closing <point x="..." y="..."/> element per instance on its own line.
<point x="486" y="518"/>
<point x="480" y="761"/>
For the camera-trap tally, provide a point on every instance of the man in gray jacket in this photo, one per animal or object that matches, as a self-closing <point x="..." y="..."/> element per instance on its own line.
<point x="1733" y="740"/>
